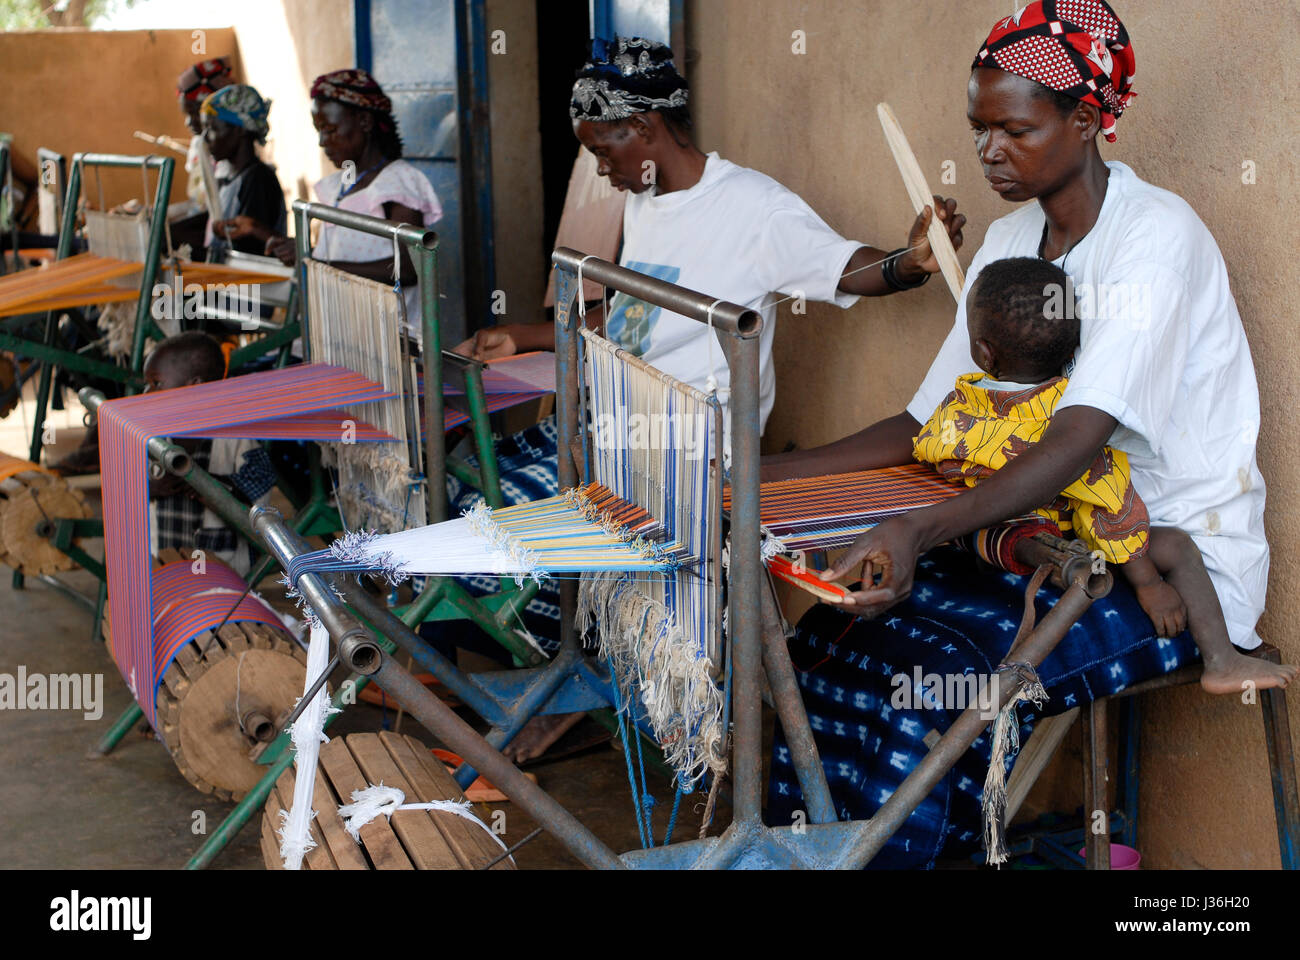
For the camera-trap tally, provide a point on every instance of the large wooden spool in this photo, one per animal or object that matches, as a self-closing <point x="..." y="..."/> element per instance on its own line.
<point x="410" y="840"/>
<point x="28" y="497"/>
<point x="223" y="698"/>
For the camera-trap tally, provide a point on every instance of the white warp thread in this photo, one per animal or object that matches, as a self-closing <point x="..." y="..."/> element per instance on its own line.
<point x="374" y="800"/>
<point x="308" y="735"/>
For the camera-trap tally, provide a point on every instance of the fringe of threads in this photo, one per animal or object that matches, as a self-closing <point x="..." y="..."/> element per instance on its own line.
<point x="646" y="543"/>
<point x="481" y="522"/>
<point x="1006" y="741"/>
<point x="358" y="547"/>
<point x="771" y="545"/>
<point x="647" y="652"/>
<point x="394" y="504"/>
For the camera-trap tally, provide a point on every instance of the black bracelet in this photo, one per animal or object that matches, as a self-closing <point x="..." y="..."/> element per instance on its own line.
<point x="889" y="270"/>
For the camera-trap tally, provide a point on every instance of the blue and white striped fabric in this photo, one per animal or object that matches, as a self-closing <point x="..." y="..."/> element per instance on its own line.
<point x="957" y="620"/>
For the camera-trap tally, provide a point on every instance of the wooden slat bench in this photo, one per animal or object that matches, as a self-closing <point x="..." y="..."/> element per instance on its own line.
<point x="410" y="840"/>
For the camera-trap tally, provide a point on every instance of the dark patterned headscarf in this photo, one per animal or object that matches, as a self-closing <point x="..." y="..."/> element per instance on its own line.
<point x="636" y="76"/>
<point x="241" y="106"/>
<point x="356" y="88"/>
<point x="204" y="79"/>
<point x="1075" y="47"/>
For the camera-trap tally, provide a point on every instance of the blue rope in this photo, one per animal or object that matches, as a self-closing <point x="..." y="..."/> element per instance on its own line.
<point x="672" y="819"/>
<point x="627" y="756"/>
<point x="647" y="801"/>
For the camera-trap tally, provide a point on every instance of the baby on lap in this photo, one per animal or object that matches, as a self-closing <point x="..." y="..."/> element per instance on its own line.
<point x="1021" y="346"/>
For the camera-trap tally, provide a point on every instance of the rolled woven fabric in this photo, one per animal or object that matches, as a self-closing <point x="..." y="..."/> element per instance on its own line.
<point x="997" y="544"/>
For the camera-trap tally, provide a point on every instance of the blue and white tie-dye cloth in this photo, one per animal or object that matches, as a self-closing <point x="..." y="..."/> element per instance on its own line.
<point x="957" y="620"/>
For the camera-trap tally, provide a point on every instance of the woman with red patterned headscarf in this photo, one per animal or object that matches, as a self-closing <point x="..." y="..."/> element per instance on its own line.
<point x="1163" y="372"/>
<point x="196" y="84"/>
<point x="358" y="133"/>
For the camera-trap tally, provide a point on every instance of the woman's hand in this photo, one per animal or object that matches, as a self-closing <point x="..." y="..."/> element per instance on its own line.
<point x="920" y="259"/>
<point x="237" y="228"/>
<point x="890" y="549"/>
<point x="490" y="343"/>
<point x="283" y="249"/>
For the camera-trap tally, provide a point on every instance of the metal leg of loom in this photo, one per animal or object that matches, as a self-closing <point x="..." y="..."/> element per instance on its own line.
<point x="1281" y="765"/>
<point x="794" y="720"/>
<point x="1095" y="785"/>
<point x="873" y="834"/>
<point x="120" y="728"/>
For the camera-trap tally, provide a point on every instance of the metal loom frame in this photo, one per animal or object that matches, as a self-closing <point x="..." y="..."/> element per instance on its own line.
<point x="574" y="682"/>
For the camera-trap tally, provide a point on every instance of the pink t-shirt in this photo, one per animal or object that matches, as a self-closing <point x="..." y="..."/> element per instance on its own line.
<point x="398" y="182"/>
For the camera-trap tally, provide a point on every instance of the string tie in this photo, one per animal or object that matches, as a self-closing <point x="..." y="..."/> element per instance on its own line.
<point x="711" y="381"/>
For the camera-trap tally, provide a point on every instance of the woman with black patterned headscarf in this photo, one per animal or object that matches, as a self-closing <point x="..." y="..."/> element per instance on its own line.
<point x="702" y="222"/>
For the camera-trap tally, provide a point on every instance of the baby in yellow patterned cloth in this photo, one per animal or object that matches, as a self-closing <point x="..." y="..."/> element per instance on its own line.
<point x="1023" y="330"/>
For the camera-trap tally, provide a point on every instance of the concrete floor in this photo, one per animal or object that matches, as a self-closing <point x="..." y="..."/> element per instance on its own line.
<point x="133" y="809"/>
<point x="62" y="807"/>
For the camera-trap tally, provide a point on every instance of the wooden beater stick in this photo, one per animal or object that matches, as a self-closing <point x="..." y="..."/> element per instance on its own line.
<point x="919" y="193"/>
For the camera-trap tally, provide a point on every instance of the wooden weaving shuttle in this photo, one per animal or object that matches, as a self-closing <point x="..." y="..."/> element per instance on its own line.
<point x="804" y="579"/>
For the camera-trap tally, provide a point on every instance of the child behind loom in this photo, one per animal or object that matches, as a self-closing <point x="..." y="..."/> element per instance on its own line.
<point x="1021" y="344"/>
<point x="178" y="519"/>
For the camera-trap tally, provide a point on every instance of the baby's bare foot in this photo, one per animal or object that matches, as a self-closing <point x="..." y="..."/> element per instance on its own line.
<point x="1235" y="672"/>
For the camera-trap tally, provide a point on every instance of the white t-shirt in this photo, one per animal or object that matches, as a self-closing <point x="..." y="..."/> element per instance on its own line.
<point x="1163" y="351"/>
<point x="398" y="182"/>
<point x="737" y="235"/>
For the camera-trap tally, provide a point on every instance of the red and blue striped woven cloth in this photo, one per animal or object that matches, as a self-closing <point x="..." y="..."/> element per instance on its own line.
<point x="186" y="602"/>
<point x="291" y="403"/>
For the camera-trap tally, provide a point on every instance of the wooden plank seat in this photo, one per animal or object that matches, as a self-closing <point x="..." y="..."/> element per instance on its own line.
<point x="410" y="840"/>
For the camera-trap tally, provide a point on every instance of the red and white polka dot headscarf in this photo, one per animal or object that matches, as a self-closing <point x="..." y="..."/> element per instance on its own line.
<point x="1076" y="47"/>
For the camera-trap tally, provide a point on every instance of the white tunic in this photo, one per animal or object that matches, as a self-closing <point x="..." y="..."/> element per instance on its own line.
<point x="1163" y="351"/>
<point x="398" y="182"/>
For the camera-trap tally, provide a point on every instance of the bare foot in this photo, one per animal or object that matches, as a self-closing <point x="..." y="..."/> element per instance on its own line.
<point x="1164" y="606"/>
<point x="538" y="734"/>
<point x="1235" y="672"/>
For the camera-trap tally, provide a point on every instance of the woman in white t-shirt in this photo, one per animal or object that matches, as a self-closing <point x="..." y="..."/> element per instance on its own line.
<point x="1163" y="371"/>
<point x="359" y="136"/>
<point x="706" y="224"/>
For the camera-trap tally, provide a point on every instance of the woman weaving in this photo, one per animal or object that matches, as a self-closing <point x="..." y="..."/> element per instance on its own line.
<point x="252" y="203"/>
<point x="699" y="221"/>
<point x="358" y="133"/>
<point x="1163" y="374"/>
<point x="702" y="222"/>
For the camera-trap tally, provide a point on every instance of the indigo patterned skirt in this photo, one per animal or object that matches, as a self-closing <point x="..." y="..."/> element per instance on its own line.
<point x="870" y="731"/>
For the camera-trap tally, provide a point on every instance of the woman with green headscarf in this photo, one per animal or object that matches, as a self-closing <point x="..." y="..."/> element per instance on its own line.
<point x="252" y="203"/>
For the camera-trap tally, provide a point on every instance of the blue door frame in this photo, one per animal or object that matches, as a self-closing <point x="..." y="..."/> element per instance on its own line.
<point x="430" y="56"/>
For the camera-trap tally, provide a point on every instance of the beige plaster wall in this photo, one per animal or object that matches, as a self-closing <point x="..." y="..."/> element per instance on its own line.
<point x="78" y="90"/>
<point x="809" y="120"/>
<point x="514" y="113"/>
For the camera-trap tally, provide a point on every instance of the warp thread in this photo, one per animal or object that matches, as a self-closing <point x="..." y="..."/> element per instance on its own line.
<point x="647" y="652"/>
<point x="308" y="734"/>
